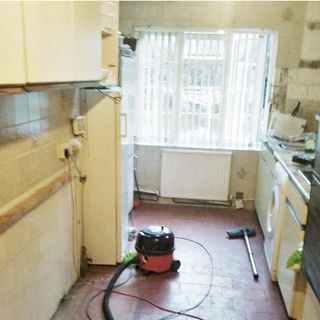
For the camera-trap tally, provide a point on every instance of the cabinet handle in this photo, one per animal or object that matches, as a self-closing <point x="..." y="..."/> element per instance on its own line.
<point x="294" y="215"/>
<point x="125" y="117"/>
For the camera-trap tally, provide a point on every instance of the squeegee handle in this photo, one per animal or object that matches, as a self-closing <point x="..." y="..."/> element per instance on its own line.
<point x="253" y="265"/>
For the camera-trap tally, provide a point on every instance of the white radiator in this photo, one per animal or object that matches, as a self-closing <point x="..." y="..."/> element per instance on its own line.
<point x="192" y="174"/>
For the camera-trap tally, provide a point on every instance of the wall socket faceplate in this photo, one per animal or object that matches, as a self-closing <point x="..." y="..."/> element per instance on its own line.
<point x="71" y="147"/>
<point x="238" y="203"/>
<point x="78" y="125"/>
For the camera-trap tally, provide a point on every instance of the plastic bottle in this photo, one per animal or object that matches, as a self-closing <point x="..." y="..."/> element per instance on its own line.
<point x="310" y="143"/>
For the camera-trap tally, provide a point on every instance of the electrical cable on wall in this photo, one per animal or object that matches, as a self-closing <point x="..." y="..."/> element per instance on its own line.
<point x="74" y="215"/>
<point x="114" y="99"/>
<point x="82" y="179"/>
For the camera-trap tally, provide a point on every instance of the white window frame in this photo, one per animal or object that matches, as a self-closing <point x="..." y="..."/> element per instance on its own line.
<point x="260" y="123"/>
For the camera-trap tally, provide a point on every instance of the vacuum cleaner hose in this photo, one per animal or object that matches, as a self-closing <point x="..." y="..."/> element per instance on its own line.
<point x="106" y="309"/>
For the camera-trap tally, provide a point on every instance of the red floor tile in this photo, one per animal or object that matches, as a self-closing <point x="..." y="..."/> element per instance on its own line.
<point x="234" y="293"/>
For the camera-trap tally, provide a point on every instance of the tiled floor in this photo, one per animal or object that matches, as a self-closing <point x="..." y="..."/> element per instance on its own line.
<point x="234" y="293"/>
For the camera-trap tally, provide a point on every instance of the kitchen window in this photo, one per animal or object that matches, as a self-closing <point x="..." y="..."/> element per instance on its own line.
<point x="202" y="89"/>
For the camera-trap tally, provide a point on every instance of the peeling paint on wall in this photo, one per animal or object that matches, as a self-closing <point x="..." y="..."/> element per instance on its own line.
<point x="242" y="173"/>
<point x="287" y="14"/>
<point x="313" y="26"/>
<point x="313" y="64"/>
<point x="280" y="90"/>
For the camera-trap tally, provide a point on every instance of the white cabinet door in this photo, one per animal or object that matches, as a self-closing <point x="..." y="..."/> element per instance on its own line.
<point x="311" y="310"/>
<point x="12" y="57"/>
<point x="109" y="17"/>
<point x="49" y="43"/>
<point x="110" y="40"/>
<point x="87" y="41"/>
<point x="292" y="284"/>
<point x="264" y="188"/>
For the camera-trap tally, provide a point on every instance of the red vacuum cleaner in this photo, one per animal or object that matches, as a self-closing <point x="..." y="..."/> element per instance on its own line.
<point x="155" y="246"/>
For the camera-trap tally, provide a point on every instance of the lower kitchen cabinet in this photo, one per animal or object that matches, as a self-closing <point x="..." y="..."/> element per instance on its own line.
<point x="311" y="310"/>
<point x="264" y="187"/>
<point x="292" y="283"/>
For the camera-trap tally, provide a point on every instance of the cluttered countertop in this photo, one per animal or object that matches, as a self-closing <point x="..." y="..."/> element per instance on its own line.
<point x="293" y="148"/>
<point x="284" y="152"/>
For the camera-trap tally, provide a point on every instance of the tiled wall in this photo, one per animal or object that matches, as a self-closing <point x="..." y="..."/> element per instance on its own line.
<point x="303" y="83"/>
<point x="36" y="253"/>
<point x="31" y="126"/>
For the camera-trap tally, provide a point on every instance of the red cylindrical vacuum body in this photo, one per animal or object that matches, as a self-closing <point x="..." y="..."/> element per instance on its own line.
<point x="156" y="264"/>
<point x="155" y="246"/>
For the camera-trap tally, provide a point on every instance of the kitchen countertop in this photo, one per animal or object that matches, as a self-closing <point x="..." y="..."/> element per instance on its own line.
<point x="284" y="156"/>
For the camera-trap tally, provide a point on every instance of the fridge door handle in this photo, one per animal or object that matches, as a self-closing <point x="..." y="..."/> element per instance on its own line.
<point x="124" y="116"/>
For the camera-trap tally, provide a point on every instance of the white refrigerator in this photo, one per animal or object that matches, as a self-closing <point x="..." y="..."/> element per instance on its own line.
<point x="128" y="85"/>
<point x="107" y="162"/>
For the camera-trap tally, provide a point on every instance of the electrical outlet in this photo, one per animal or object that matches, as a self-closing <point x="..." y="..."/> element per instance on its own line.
<point x="238" y="204"/>
<point x="239" y="195"/>
<point x="132" y="233"/>
<point x="71" y="147"/>
<point x="78" y="125"/>
<point x="62" y="149"/>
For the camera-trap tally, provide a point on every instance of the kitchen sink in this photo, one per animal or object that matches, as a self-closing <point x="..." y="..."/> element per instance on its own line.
<point x="309" y="176"/>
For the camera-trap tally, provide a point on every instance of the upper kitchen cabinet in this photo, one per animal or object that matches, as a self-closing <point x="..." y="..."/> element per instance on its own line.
<point x="62" y="41"/>
<point x="48" y="38"/>
<point x="87" y="41"/>
<point x="109" y="17"/>
<point x="12" y="55"/>
<point x="110" y="37"/>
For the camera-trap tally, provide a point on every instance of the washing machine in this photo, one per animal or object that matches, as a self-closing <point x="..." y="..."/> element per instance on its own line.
<point x="275" y="214"/>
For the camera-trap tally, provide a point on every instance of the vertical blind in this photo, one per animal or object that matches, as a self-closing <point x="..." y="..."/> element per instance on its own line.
<point x="201" y="89"/>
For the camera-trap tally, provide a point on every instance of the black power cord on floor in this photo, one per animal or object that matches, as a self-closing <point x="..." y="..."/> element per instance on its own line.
<point x="210" y="283"/>
<point x="105" y="304"/>
<point x="111" y="285"/>
<point x="89" y="302"/>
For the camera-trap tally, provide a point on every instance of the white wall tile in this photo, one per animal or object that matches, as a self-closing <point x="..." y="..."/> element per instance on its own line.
<point x="34" y="106"/>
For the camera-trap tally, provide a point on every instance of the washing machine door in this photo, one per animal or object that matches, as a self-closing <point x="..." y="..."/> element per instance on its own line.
<point x="273" y="212"/>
